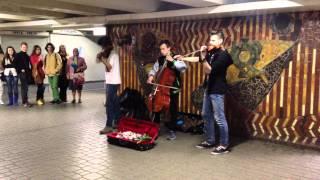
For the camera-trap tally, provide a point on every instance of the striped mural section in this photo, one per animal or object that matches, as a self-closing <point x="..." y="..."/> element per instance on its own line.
<point x="289" y="113"/>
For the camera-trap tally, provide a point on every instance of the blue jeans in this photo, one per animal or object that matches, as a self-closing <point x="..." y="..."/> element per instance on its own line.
<point x="213" y="112"/>
<point x="12" y="84"/>
<point x="113" y="106"/>
<point x="24" y="87"/>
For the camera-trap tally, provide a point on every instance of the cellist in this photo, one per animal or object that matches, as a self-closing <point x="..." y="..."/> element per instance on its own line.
<point x="178" y="67"/>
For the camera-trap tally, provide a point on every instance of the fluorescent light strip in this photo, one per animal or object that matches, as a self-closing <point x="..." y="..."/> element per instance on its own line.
<point x="215" y="1"/>
<point x="253" y="6"/>
<point x="97" y="31"/>
<point x="14" y="17"/>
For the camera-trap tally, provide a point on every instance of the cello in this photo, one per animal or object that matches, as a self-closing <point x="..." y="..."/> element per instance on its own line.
<point x="159" y="99"/>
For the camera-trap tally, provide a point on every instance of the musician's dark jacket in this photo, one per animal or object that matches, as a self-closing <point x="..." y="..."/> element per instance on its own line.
<point x="219" y="61"/>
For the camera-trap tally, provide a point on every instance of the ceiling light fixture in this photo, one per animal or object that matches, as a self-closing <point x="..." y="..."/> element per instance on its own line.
<point x="259" y="5"/>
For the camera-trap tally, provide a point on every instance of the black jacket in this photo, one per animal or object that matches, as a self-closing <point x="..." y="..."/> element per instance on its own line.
<point x="22" y="61"/>
<point x="219" y="61"/>
<point x="12" y="63"/>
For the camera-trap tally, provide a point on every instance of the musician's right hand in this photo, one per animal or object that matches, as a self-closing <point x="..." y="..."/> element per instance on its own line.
<point x="150" y="79"/>
<point x="203" y="48"/>
<point x="99" y="55"/>
<point x="178" y="57"/>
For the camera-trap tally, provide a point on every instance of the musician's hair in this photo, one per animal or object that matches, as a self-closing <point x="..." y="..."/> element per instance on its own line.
<point x="218" y="33"/>
<point x="107" y="46"/>
<point x="166" y="42"/>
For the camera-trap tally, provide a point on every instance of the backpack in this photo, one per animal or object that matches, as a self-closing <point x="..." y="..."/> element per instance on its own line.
<point x="45" y="59"/>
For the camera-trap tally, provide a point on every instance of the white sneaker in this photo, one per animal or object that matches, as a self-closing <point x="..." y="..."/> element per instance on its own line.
<point x="1" y="102"/>
<point x="171" y="136"/>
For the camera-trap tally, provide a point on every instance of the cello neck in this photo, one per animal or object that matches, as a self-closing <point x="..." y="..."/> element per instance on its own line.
<point x="161" y="70"/>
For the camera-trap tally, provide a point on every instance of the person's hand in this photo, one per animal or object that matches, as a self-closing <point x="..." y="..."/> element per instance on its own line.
<point x="150" y="79"/>
<point x="99" y="55"/>
<point x="107" y="70"/>
<point x="203" y="48"/>
<point x="178" y="57"/>
<point x="203" y="53"/>
<point x="23" y="70"/>
<point x="169" y="58"/>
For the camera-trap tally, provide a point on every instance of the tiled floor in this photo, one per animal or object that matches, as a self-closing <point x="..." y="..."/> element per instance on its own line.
<point x="62" y="142"/>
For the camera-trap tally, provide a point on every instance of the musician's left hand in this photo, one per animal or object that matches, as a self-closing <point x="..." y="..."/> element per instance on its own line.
<point x="169" y="58"/>
<point x="178" y="57"/>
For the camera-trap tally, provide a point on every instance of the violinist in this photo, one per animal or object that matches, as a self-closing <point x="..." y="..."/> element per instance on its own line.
<point x="110" y="58"/>
<point x="169" y="59"/>
<point x="215" y="60"/>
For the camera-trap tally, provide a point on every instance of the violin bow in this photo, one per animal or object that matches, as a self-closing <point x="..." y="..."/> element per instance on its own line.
<point x="193" y="52"/>
<point x="163" y="86"/>
<point x="190" y="59"/>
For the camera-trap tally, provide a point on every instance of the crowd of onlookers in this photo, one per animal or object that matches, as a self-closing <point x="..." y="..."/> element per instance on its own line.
<point x="62" y="71"/>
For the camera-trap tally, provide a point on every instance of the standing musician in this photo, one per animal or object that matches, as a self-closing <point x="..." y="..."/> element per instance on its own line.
<point x="215" y="60"/>
<point x="168" y="58"/>
<point x="110" y="58"/>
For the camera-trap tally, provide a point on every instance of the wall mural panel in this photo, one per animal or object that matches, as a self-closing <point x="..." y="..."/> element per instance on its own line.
<point x="274" y="81"/>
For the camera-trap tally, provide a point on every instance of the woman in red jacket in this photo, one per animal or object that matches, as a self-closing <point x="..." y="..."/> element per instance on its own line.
<point x="38" y="73"/>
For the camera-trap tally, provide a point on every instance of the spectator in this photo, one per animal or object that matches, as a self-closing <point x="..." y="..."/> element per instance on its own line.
<point x="75" y="73"/>
<point x="11" y="75"/>
<point x="23" y="66"/>
<point x="53" y="65"/>
<point x="38" y="73"/>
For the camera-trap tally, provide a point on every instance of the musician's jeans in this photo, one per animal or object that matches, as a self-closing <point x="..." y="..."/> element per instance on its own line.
<point x="213" y="112"/>
<point x="112" y="105"/>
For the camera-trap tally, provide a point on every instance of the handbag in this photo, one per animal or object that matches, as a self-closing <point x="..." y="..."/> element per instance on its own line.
<point x="78" y="78"/>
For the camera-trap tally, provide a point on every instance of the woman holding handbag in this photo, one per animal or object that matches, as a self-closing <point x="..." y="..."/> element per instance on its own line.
<point x="76" y="66"/>
<point x="38" y="73"/>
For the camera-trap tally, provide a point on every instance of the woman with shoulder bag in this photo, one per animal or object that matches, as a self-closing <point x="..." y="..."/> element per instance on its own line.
<point x="38" y="73"/>
<point x="75" y="73"/>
